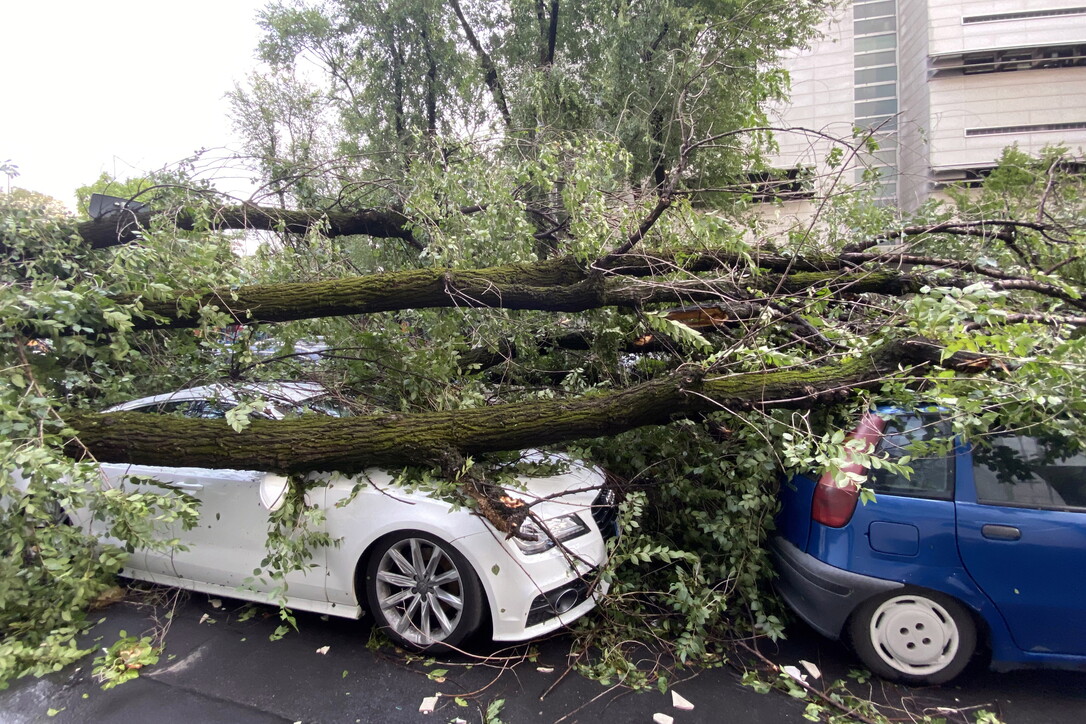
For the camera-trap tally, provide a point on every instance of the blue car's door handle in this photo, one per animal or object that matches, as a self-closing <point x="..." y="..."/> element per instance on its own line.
<point x="1000" y="532"/>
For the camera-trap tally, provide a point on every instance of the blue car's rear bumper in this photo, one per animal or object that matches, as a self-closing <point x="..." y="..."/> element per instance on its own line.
<point x="822" y="595"/>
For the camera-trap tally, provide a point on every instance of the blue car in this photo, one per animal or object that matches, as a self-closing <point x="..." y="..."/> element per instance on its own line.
<point x="979" y="549"/>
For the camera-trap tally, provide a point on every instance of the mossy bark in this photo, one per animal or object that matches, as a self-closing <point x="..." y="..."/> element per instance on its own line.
<point x="556" y="285"/>
<point x="352" y="444"/>
<point x="122" y="227"/>
<point x="443" y="438"/>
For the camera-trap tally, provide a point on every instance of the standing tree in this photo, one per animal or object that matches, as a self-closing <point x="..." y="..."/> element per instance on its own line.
<point x="11" y="170"/>
<point x="500" y="218"/>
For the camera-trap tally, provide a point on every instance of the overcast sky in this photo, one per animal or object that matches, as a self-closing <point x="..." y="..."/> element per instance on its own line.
<point x="121" y="86"/>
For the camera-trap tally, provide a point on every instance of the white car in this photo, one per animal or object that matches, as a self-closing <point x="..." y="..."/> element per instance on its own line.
<point x="427" y="574"/>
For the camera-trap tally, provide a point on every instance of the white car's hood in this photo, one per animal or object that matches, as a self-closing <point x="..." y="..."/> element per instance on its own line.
<point x="573" y="488"/>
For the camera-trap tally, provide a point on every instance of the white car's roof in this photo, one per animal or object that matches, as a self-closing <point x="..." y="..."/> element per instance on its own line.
<point x="284" y="392"/>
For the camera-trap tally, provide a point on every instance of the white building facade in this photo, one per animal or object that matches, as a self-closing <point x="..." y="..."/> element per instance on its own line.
<point x="942" y="85"/>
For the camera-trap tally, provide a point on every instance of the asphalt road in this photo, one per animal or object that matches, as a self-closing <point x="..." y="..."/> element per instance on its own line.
<point x="217" y="668"/>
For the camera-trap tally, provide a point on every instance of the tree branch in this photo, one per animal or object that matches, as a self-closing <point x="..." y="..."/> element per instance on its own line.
<point x="124" y="227"/>
<point x="552" y="34"/>
<point x="559" y="285"/>
<point x="493" y="82"/>
<point x="1002" y="229"/>
<point x="1004" y="280"/>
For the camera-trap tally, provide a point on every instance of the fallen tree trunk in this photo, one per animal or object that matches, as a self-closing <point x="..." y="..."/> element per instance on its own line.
<point x="350" y="445"/>
<point x="557" y="285"/>
<point x="354" y="443"/>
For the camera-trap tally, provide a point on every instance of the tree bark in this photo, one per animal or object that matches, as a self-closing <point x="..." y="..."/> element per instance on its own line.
<point x="556" y="285"/>
<point x="552" y="35"/>
<point x="352" y="444"/>
<point x="123" y="227"/>
<point x="490" y="71"/>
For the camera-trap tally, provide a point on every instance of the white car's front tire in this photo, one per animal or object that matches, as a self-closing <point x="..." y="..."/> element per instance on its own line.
<point x="422" y="592"/>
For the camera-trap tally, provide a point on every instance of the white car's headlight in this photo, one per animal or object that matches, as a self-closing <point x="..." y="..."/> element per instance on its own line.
<point x="557" y="529"/>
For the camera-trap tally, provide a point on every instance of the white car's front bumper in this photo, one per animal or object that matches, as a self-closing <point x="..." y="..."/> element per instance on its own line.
<point x="530" y="595"/>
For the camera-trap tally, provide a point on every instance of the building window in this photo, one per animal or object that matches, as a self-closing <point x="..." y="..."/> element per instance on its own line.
<point x="875" y="25"/>
<point x="882" y="107"/>
<point x="1022" y="15"/>
<point x="875" y="42"/>
<point x="875" y="75"/>
<point x="884" y="90"/>
<point x="1060" y="57"/>
<point x="873" y="9"/>
<point x="1033" y="128"/>
<point x="877" y="123"/>
<point x="888" y="57"/>
<point x="781" y="184"/>
<point x="1010" y="59"/>
<point x="875" y="93"/>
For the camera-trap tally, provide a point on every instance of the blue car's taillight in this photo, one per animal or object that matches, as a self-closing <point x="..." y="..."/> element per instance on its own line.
<point x="833" y="504"/>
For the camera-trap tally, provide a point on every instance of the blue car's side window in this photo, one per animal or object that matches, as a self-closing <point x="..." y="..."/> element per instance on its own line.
<point x="1028" y="472"/>
<point x="924" y="438"/>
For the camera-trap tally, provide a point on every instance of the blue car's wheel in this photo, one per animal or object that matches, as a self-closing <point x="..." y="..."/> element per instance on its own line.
<point x="914" y="636"/>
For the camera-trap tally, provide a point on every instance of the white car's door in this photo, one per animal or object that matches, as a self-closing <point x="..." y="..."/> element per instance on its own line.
<point x="228" y="543"/>
<point x="133" y="478"/>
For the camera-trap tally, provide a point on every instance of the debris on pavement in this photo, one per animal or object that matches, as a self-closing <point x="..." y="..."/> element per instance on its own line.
<point x="811" y="669"/>
<point x="680" y="702"/>
<point x="429" y="704"/>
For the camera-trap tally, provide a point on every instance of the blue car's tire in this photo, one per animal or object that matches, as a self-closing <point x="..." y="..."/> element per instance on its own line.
<point x="913" y="636"/>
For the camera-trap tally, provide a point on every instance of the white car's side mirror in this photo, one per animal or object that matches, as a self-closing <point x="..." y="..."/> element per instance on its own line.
<point x="273" y="492"/>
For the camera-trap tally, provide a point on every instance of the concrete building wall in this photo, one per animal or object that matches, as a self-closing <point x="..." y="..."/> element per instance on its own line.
<point x="964" y="105"/>
<point x="949" y="34"/>
<point x="970" y="81"/>
<point x="821" y="87"/>
<point x="914" y="125"/>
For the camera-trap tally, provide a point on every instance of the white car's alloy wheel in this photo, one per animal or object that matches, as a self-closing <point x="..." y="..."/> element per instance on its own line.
<point x="423" y="592"/>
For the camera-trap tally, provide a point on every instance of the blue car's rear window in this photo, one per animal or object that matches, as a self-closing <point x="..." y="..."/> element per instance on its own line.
<point x="926" y="439"/>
